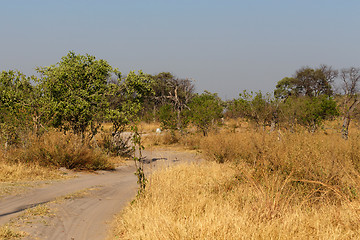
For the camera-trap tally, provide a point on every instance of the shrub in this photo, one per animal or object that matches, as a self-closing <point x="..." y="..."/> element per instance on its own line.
<point x="118" y="144"/>
<point x="54" y="149"/>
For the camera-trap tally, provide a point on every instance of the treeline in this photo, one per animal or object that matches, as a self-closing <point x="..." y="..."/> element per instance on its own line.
<point x="307" y="99"/>
<point x="80" y="93"/>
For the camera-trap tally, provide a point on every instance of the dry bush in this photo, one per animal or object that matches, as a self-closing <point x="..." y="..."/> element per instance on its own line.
<point x="119" y="144"/>
<point x="191" y="141"/>
<point x="163" y="139"/>
<point x="315" y="164"/>
<point x="19" y="171"/>
<point x="210" y="201"/>
<point x="54" y="149"/>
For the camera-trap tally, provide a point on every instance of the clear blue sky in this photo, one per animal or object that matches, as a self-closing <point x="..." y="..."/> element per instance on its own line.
<point x="226" y="46"/>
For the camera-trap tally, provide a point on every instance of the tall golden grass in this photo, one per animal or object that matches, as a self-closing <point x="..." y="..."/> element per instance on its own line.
<point x="255" y="186"/>
<point x="207" y="202"/>
<point x="20" y="171"/>
<point x="54" y="150"/>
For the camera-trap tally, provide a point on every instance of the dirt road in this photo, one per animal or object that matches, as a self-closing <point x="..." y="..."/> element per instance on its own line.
<point x="86" y="217"/>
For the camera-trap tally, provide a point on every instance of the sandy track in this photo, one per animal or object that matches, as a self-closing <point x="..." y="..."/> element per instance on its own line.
<point x="86" y="217"/>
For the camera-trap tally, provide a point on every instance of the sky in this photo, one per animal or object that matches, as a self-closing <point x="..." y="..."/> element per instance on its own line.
<point x="224" y="46"/>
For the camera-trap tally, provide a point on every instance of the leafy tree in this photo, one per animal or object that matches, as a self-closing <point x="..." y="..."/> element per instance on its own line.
<point x="257" y="107"/>
<point x="170" y="90"/>
<point x="205" y="111"/>
<point x="126" y="97"/>
<point x="307" y="82"/>
<point x="75" y="92"/>
<point x="167" y="117"/>
<point x="285" y="88"/>
<point x="17" y="105"/>
<point x="309" y="112"/>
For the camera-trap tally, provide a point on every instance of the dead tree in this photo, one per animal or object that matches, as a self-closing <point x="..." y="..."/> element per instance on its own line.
<point x="350" y="85"/>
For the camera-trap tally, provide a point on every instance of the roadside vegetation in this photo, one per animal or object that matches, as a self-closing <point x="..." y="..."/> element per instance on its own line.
<point x="280" y="165"/>
<point x="253" y="186"/>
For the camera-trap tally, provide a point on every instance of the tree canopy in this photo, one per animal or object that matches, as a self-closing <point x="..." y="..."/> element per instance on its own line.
<point x="75" y="91"/>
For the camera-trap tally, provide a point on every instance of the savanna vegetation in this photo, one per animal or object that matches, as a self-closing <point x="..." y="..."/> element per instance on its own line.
<point x="282" y="165"/>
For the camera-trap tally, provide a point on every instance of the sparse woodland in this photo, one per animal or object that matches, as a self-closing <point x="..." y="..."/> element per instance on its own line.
<point x="282" y="165"/>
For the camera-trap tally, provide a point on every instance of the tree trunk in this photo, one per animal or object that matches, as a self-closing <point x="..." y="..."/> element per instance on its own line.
<point x="345" y="127"/>
<point x="347" y="118"/>
<point x="273" y="125"/>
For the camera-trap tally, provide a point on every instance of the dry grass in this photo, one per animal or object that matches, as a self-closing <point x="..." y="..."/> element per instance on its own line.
<point x="13" y="172"/>
<point x="259" y="185"/>
<point x="54" y="149"/>
<point x="148" y="127"/>
<point x="163" y="139"/>
<point x="208" y="202"/>
<point x="7" y="233"/>
<point x="17" y="177"/>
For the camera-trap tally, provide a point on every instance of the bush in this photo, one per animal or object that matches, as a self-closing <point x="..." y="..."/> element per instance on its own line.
<point x="117" y="144"/>
<point x="54" y="149"/>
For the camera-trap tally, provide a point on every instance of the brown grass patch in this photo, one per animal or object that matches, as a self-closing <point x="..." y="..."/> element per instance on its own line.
<point x="256" y="186"/>
<point x="151" y="127"/>
<point x="11" y="172"/>
<point x="54" y="149"/>
<point x="209" y="202"/>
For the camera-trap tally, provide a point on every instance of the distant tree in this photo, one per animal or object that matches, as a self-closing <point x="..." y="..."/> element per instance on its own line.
<point x="170" y="90"/>
<point x="285" y="88"/>
<point x="75" y="91"/>
<point x="257" y="107"/>
<point x="205" y="111"/>
<point x="350" y="85"/>
<point x="307" y="82"/>
<point x="126" y="97"/>
<point x="312" y="82"/>
<point x="309" y="112"/>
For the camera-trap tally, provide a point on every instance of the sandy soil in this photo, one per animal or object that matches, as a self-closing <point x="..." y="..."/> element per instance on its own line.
<point x="85" y="217"/>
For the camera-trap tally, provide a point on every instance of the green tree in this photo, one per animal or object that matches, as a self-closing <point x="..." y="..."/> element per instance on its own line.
<point x="309" y="112"/>
<point x="167" y="117"/>
<point x="205" y="111"/>
<point x="285" y="87"/>
<point x="307" y="82"/>
<point x="17" y="105"/>
<point x="170" y="90"/>
<point x="75" y="90"/>
<point x="126" y="97"/>
<point x="256" y="107"/>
